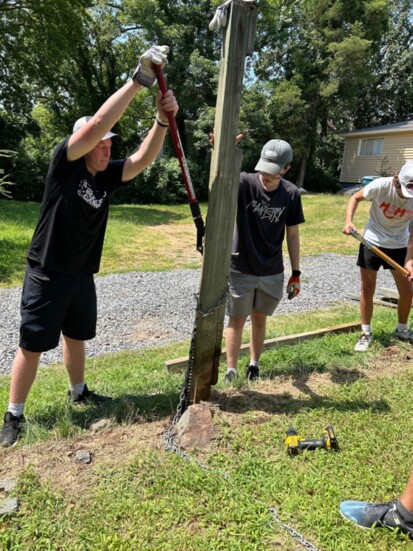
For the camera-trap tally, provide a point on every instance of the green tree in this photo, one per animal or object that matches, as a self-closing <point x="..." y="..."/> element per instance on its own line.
<point x="390" y="98"/>
<point x="315" y="56"/>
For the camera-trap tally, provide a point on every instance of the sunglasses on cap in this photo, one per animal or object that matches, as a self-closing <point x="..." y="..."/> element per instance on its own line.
<point x="409" y="186"/>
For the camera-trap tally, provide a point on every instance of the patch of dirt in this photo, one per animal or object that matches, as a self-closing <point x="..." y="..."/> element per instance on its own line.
<point x="55" y="461"/>
<point x="151" y="329"/>
<point x="118" y="445"/>
<point x="180" y="240"/>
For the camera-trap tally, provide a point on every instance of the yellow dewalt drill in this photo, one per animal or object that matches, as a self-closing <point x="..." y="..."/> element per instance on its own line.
<point x="294" y="443"/>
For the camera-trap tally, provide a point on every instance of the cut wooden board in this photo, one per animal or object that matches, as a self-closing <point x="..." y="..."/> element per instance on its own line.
<point x="179" y="363"/>
<point x="388" y="293"/>
<point x="375" y="300"/>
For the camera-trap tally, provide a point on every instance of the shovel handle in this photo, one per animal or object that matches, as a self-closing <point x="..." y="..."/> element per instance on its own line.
<point x="380" y="253"/>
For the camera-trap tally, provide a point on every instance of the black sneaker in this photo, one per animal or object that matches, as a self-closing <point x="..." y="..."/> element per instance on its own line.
<point x="11" y="429"/>
<point x="367" y="515"/>
<point x="253" y="373"/>
<point x="88" y="397"/>
<point x="230" y="376"/>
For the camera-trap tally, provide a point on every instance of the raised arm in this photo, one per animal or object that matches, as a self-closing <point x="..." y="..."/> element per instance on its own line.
<point x="87" y="137"/>
<point x="152" y="144"/>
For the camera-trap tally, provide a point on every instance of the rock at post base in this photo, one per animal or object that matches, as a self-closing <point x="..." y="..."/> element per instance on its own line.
<point x="194" y="429"/>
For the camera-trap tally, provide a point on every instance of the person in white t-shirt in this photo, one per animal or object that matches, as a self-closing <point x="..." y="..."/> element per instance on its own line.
<point x="388" y="229"/>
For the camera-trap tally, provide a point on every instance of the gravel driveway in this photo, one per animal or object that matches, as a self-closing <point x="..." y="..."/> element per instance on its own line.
<point x="140" y="309"/>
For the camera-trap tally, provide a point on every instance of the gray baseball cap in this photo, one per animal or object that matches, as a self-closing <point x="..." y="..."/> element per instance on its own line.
<point x="406" y="179"/>
<point x="83" y="120"/>
<point x="274" y="156"/>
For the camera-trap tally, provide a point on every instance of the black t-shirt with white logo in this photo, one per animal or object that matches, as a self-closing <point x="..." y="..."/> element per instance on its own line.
<point x="72" y="222"/>
<point x="261" y="219"/>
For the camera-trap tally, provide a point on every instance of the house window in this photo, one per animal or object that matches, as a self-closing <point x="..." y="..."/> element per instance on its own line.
<point x="370" y="147"/>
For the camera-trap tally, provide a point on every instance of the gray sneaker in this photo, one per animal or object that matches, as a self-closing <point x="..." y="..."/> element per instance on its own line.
<point x="365" y="340"/>
<point x="230" y="376"/>
<point x="405" y="335"/>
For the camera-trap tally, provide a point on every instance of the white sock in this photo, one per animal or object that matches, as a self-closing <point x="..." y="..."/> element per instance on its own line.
<point x="254" y="363"/>
<point x="76" y="390"/>
<point x="16" y="409"/>
<point x="231" y="369"/>
<point x="366" y="329"/>
<point x="402" y="327"/>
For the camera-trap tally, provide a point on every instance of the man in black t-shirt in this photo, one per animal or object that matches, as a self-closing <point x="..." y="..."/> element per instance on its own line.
<point x="269" y="210"/>
<point x="59" y="292"/>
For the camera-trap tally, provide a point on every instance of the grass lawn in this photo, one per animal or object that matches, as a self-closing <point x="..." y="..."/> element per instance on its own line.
<point x="159" y="237"/>
<point x="135" y="496"/>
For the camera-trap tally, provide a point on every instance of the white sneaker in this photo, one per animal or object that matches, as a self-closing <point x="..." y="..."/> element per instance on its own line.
<point x="365" y="340"/>
<point x="405" y="335"/>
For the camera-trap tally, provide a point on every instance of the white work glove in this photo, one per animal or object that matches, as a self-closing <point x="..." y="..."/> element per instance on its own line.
<point x="220" y="18"/>
<point x="293" y="286"/>
<point x="144" y="73"/>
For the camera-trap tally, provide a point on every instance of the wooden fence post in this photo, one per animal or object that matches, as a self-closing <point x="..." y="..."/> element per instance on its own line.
<point x="238" y="40"/>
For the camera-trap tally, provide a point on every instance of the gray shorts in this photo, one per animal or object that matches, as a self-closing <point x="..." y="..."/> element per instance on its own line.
<point x="248" y="292"/>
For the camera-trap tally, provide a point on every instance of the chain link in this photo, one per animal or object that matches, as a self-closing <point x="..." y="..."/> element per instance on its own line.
<point x="170" y="438"/>
<point x="296" y="535"/>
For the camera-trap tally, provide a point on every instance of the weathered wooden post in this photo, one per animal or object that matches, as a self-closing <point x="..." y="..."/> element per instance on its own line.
<point x="238" y="41"/>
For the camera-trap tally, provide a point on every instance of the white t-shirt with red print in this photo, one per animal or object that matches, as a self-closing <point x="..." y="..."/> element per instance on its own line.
<point x="389" y="217"/>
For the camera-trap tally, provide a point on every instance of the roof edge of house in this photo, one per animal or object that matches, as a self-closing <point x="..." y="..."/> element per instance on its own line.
<point x="375" y="130"/>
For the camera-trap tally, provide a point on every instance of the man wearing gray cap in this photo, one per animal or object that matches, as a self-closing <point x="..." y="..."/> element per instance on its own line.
<point x="387" y="228"/>
<point x="269" y="210"/>
<point x="59" y="294"/>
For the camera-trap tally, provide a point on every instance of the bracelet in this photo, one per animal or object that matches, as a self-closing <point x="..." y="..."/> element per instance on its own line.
<point x="161" y="123"/>
<point x="296" y="273"/>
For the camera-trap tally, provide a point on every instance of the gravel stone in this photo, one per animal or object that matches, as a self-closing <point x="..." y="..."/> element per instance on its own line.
<point x="147" y="309"/>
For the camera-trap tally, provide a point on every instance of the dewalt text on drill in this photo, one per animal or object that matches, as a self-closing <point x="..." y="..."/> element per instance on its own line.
<point x="294" y="443"/>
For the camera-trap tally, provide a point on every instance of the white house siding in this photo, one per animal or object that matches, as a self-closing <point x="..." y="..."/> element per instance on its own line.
<point x="397" y="149"/>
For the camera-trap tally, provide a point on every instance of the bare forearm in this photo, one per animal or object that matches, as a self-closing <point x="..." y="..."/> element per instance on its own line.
<point x="351" y="209"/>
<point x="293" y="247"/>
<point x="147" y="152"/>
<point x="85" y="139"/>
<point x="114" y="107"/>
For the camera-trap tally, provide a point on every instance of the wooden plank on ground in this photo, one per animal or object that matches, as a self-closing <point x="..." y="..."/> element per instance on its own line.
<point x="388" y="293"/>
<point x="375" y="300"/>
<point x="179" y="363"/>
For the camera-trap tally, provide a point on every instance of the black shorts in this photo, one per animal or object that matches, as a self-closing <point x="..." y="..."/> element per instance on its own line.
<point x="370" y="261"/>
<point x="54" y="303"/>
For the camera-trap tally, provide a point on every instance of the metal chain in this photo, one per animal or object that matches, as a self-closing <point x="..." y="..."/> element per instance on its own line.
<point x="296" y="535"/>
<point x="170" y="439"/>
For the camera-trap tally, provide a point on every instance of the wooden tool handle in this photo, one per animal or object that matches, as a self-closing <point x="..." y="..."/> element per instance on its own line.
<point x="380" y="253"/>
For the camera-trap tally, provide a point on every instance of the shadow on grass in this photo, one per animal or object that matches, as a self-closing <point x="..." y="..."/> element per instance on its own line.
<point x="125" y="408"/>
<point x="285" y="403"/>
<point x="387" y="339"/>
<point x="302" y="369"/>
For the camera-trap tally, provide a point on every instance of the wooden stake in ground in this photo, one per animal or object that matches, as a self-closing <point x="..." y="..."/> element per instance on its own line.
<point x="238" y="42"/>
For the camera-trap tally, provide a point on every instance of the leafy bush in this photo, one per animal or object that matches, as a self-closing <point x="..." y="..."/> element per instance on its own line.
<point x="161" y="183"/>
<point x="5" y="153"/>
